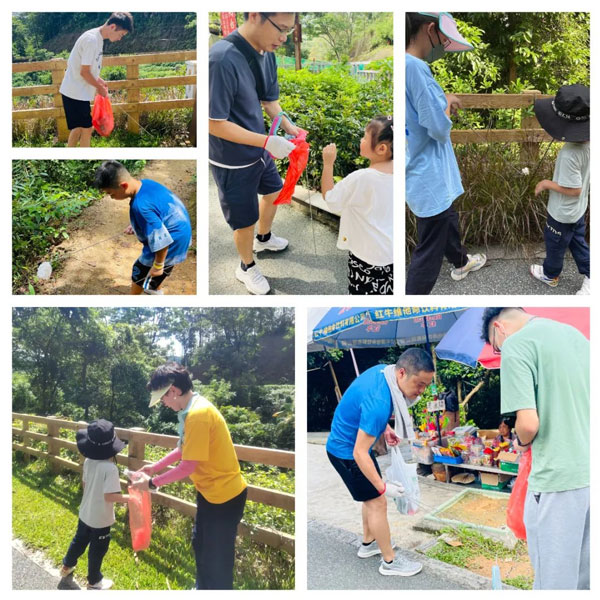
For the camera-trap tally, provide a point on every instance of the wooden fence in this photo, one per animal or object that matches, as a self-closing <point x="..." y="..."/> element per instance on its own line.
<point x="135" y="459"/>
<point x="132" y="84"/>
<point x="529" y="135"/>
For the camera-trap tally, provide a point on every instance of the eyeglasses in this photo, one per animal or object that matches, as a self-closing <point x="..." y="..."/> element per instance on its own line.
<point x="285" y="32"/>
<point x="497" y="350"/>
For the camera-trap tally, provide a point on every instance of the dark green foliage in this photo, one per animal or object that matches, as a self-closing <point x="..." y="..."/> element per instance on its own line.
<point x="86" y="363"/>
<point x="334" y="107"/>
<point x="40" y="36"/>
<point x="46" y="195"/>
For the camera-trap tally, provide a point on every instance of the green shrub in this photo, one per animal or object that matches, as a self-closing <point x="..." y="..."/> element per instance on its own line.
<point x="333" y="107"/>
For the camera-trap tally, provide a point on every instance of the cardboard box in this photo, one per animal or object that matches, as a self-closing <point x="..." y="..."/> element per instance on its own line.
<point x="494" y="479"/>
<point x="511" y="457"/>
<point x="487" y="434"/>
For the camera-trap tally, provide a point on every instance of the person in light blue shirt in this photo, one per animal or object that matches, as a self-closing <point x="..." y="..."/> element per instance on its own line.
<point x="432" y="177"/>
<point x="157" y="217"/>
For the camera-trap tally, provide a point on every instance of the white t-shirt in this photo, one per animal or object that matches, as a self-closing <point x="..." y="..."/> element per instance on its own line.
<point x="86" y="51"/>
<point x="100" y="477"/>
<point x="572" y="170"/>
<point x="364" y="200"/>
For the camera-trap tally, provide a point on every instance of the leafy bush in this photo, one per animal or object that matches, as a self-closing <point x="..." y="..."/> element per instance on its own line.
<point x="333" y="107"/>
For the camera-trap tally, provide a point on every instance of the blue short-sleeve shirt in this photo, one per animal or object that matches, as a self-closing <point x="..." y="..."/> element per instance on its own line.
<point x="159" y="219"/>
<point x="233" y="97"/>
<point x="366" y="405"/>
<point x="432" y="176"/>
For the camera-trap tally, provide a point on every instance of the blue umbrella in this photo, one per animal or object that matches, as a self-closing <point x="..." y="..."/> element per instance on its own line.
<point x="347" y="328"/>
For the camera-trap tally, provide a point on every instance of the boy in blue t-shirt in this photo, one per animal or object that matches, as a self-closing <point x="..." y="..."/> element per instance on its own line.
<point x="157" y="217"/>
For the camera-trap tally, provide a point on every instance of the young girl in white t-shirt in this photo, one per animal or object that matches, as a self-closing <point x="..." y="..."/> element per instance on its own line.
<point x="364" y="200"/>
<point x="101" y="489"/>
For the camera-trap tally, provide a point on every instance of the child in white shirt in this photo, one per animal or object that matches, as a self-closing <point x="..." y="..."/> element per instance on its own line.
<point x="364" y="200"/>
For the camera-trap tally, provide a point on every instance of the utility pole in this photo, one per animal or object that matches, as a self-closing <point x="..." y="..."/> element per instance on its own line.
<point x="298" y="42"/>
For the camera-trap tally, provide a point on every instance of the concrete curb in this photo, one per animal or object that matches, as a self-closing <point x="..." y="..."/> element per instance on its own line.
<point x="442" y="571"/>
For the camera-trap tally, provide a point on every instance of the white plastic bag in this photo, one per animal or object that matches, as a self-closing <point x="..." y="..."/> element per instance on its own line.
<point x="408" y="504"/>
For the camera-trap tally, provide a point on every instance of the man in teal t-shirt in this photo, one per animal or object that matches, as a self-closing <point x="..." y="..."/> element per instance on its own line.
<point x="545" y="380"/>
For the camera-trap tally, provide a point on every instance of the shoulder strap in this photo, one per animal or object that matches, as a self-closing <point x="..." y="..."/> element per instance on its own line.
<point x="250" y="55"/>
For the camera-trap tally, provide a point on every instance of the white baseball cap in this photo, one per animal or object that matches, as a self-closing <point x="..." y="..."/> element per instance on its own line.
<point x="156" y="395"/>
<point x="447" y="25"/>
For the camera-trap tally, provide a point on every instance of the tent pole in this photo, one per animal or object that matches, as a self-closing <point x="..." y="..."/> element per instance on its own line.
<point x="338" y="392"/>
<point x="435" y="393"/>
<point x="354" y="362"/>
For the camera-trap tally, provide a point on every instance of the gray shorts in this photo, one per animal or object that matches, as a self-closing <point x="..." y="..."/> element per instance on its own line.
<point x="558" y="538"/>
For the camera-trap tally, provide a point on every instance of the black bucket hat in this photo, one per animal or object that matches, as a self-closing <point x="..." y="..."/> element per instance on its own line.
<point x="566" y="117"/>
<point x="99" y="440"/>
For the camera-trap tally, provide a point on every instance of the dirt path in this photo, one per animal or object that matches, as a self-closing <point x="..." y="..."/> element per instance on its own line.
<point x="105" y="268"/>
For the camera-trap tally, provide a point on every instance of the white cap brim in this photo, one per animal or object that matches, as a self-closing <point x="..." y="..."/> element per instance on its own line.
<point x="156" y="395"/>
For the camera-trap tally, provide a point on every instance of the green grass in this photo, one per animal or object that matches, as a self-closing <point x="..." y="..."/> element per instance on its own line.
<point x="45" y="508"/>
<point x="474" y="544"/>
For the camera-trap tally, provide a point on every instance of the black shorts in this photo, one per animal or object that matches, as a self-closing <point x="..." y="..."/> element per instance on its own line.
<point x="140" y="271"/>
<point x="358" y="485"/>
<point x="78" y="112"/>
<point x="239" y="189"/>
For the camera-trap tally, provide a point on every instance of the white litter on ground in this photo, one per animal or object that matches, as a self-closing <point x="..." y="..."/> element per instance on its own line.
<point x="44" y="270"/>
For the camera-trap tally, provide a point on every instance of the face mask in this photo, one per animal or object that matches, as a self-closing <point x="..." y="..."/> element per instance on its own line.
<point x="436" y="52"/>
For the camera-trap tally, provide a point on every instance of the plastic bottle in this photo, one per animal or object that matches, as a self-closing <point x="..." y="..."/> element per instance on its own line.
<point x="140" y="514"/>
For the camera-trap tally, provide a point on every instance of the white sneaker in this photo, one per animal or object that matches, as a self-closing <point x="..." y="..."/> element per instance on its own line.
<point x="371" y="549"/>
<point x="154" y="292"/>
<point x="585" y="288"/>
<point x="537" y="272"/>
<point x="400" y="566"/>
<point x="475" y="262"/>
<point x="103" y="584"/>
<point x="274" y="244"/>
<point x="253" y="279"/>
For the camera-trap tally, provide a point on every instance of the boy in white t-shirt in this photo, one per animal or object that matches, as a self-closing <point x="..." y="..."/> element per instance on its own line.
<point x="82" y="79"/>
<point x="364" y="199"/>
<point x="101" y="489"/>
<point x="566" y="117"/>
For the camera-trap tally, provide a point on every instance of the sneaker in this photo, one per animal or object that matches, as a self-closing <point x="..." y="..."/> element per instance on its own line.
<point x="66" y="571"/>
<point x="585" y="288"/>
<point x="103" y="584"/>
<point x="371" y="550"/>
<point x="400" y="566"/>
<point x="253" y="279"/>
<point x="68" y="583"/>
<point x="537" y="272"/>
<point x="274" y="244"/>
<point x="474" y="263"/>
<point x="154" y="292"/>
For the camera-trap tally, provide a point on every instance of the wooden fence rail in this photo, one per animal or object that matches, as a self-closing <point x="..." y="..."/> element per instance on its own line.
<point x="133" y="107"/>
<point x="529" y="135"/>
<point x="135" y="459"/>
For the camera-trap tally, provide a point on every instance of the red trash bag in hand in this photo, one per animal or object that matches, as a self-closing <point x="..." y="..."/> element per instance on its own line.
<point x="102" y="115"/>
<point x="140" y="518"/>
<point x="298" y="159"/>
<point x="516" y="502"/>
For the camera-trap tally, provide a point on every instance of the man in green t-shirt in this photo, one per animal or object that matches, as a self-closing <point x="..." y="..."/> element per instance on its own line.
<point x="545" y="380"/>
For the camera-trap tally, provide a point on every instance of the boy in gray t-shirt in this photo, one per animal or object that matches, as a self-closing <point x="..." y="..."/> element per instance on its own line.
<point x="566" y="117"/>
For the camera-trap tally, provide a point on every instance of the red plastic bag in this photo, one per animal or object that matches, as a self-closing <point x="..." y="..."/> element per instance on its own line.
<point x="102" y="115"/>
<point x="516" y="502"/>
<point x="140" y="518"/>
<point x="298" y="159"/>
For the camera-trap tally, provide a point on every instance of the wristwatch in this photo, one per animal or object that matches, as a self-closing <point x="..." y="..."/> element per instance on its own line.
<point x="520" y="442"/>
<point x="151" y="484"/>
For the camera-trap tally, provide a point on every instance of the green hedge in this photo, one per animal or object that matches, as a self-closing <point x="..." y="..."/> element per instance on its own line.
<point x="334" y="107"/>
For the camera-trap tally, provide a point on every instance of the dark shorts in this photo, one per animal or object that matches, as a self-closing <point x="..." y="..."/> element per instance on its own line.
<point x="358" y="485"/>
<point x="139" y="272"/>
<point x="239" y="189"/>
<point x="78" y="112"/>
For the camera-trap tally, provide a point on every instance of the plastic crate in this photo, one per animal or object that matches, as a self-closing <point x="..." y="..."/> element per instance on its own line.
<point x="450" y="460"/>
<point x="509" y="467"/>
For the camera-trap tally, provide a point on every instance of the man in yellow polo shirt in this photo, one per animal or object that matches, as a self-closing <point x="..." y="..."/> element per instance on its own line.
<point x="208" y="458"/>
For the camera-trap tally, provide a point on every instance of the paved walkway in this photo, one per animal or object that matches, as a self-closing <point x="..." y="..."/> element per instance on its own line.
<point x="30" y="570"/>
<point x="310" y="265"/>
<point x="508" y="273"/>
